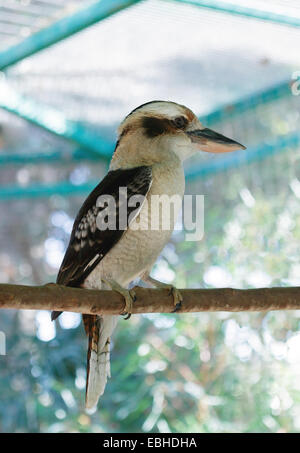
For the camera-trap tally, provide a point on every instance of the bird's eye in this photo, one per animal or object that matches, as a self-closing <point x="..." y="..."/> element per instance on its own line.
<point x="180" y="122"/>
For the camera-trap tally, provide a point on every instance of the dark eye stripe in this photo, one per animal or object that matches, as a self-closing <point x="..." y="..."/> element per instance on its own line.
<point x="155" y="126"/>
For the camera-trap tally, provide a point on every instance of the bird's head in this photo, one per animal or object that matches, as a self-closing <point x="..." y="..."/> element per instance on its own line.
<point x="158" y="130"/>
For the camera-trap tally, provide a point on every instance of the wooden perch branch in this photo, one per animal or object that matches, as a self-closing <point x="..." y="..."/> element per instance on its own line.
<point x="61" y="298"/>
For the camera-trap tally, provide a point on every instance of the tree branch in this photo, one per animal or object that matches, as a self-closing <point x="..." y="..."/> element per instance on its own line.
<point x="62" y="298"/>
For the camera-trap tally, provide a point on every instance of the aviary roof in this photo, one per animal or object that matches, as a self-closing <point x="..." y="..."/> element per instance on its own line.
<point x="157" y="49"/>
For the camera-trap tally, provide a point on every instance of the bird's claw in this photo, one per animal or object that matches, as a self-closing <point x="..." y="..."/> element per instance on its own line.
<point x="130" y="297"/>
<point x="177" y="307"/>
<point x="177" y="297"/>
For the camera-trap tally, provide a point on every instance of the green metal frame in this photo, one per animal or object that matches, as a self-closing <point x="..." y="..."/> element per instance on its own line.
<point x="244" y="11"/>
<point x="46" y="117"/>
<point x="54" y="121"/>
<point x="49" y="157"/>
<point x="239" y="158"/>
<point x="62" y="29"/>
<point x="92" y="145"/>
<point x="219" y="164"/>
<point x="15" y="192"/>
<point x="261" y="97"/>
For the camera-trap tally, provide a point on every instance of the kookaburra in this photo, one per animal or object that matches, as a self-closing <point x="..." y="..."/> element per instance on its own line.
<point x="154" y="140"/>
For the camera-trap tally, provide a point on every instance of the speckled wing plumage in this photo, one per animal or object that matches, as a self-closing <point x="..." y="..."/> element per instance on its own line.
<point x="88" y="244"/>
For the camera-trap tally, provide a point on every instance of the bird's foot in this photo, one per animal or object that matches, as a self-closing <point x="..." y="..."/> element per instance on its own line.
<point x="129" y="296"/>
<point x="177" y="297"/>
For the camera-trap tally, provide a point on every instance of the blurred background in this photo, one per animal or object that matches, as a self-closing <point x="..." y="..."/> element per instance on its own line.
<point x="70" y="71"/>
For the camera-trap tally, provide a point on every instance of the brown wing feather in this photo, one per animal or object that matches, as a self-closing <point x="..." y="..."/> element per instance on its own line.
<point x="91" y="325"/>
<point x="88" y="245"/>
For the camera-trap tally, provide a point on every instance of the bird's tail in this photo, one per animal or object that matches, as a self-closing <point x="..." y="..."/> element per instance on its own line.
<point x="99" y="330"/>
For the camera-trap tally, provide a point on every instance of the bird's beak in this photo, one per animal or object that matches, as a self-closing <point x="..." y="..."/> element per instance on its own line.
<point x="213" y="142"/>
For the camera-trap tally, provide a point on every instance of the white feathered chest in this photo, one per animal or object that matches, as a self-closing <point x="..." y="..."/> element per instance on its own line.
<point x="141" y="244"/>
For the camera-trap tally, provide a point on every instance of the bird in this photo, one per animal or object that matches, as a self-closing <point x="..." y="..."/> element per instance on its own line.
<point x="153" y="142"/>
